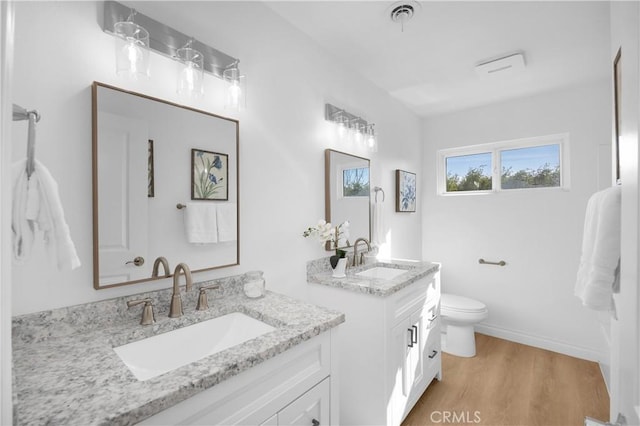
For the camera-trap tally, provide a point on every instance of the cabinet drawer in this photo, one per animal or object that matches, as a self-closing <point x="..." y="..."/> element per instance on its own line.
<point x="311" y="409"/>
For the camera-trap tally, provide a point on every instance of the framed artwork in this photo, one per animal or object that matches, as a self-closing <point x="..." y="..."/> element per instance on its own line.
<point x="405" y="191"/>
<point x="209" y="175"/>
<point x="617" y="101"/>
<point x="150" y="182"/>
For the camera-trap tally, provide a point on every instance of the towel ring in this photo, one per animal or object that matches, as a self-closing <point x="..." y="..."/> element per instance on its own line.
<point x="378" y="189"/>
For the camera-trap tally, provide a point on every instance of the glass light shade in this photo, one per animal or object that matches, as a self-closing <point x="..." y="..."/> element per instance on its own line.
<point x="235" y="93"/>
<point x="343" y="125"/>
<point x="358" y="129"/>
<point x="132" y="50"/>
<point x="371" y="141"/>
<point x="190" y="72"/>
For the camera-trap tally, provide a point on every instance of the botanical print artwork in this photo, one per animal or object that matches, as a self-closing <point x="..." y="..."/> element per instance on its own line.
<point x="405" y="191"/>
<point x="150" y="180"/>
<point x="209" y="175"/>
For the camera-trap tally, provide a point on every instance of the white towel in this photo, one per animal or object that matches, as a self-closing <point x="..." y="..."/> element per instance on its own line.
<point x="227" y="222"/>
<point x="36" y="201"/>
<point x="600" y="250"/>
<point x="379" y="235"/>
<point x="200" y="224"/>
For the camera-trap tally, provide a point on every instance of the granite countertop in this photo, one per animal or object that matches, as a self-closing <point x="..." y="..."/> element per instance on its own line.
<point x="319" y="274"/>
<point x="73" y="377"/>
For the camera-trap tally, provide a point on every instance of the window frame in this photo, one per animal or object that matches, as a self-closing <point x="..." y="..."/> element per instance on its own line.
<point x="495" y="148"/>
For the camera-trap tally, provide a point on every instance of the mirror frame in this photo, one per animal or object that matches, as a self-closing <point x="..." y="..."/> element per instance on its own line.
<point x="327" y="192"/>
<point x="94" y="172"/>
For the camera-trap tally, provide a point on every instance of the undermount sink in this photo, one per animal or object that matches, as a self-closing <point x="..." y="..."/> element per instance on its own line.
<point x="382" y="273"/>
<point x="153" y="356"/>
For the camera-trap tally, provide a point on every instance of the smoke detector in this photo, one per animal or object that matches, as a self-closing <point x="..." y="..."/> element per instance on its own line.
<point x="403" y="11"/>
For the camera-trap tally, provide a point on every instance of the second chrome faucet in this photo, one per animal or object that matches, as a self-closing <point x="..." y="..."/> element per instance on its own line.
<point x="175" y="311"/>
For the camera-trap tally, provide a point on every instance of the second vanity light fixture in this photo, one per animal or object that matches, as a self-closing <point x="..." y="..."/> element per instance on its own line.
<point x="363" y="133"/>
<point x="136" y="33"/>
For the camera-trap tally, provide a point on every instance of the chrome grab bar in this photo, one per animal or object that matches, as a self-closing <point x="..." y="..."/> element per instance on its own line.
<point x="484" y="262"/>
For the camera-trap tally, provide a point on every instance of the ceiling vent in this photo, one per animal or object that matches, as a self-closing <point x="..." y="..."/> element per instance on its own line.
<point x="506" y="65"/>
<point x="403" y="11"/>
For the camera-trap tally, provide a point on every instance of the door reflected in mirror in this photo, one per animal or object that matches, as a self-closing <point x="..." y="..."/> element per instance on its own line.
<point x="143" y="168"/>
<point x="347" y="194"/>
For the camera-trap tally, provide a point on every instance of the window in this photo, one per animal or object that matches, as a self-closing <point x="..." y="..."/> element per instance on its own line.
<point x="531" y="163"/>
<point x="469" y="172"/>
<point x="355" y="182"/>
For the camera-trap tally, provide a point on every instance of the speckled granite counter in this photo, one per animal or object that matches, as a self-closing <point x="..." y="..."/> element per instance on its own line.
<point x="319" y="272"/>
<point x="66" y="372"/>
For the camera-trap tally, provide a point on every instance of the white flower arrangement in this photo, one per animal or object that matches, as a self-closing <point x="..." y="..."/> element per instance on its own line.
<point x="325" y="232"/>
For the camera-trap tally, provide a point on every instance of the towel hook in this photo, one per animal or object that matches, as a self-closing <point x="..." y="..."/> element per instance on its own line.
<point x="378" y="189"/>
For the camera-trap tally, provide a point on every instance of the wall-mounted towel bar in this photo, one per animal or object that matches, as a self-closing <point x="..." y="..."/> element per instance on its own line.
<point x="181" y="206"/>
<point x="484" y="262"/>
<point x="33" y="116"/>
<point x="378" y="189"/>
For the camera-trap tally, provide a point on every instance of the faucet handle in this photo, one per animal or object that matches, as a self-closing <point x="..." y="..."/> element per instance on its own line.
<point x="148" y="316"/>
<point x="203" y="303"/>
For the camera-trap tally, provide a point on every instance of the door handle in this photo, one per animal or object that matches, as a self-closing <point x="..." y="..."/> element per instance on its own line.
<point x="415" y="327"/>
<point x="138" y="261"/>
<point x="433" y="354"/>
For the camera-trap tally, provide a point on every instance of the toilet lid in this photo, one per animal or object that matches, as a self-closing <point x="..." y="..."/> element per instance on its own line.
<point x="462" y="304"/>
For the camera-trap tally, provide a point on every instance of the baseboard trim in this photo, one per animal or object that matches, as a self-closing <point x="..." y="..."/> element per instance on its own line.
<point x="540" y="342"/>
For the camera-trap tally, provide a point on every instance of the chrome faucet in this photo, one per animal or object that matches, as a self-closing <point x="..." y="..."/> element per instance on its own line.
<point x="355" y="251"/>
<point x="156" y="266"/>
<point x="175" y="311"/>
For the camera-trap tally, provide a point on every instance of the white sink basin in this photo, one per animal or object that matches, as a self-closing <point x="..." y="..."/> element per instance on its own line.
<point x="382" y="273"/>
<point x="159" y="354"/>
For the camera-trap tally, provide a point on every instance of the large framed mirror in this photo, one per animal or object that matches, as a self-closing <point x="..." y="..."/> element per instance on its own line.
<point x="165" y="184"/>
<point x="347" y="194"/>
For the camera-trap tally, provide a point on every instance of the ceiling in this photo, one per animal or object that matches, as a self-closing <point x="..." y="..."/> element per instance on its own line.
<point x="429" y="64"/>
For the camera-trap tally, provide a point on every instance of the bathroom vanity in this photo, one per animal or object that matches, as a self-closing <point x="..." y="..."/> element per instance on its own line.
<point x="389" y="347"/>
<point x="67" y="371"/>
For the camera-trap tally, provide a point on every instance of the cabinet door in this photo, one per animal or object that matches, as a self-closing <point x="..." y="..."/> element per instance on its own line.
<point x="311" y="409"/>
<point x="416" y="358"/>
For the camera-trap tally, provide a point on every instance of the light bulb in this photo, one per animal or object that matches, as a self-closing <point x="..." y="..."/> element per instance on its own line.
<point x="234" y="92"/>
<point x="133" y="53"/>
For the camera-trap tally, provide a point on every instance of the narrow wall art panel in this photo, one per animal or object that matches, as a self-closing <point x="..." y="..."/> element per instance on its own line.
<point x="405" y="191"/>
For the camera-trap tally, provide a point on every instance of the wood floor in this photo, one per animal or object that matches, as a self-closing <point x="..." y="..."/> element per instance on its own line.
<point x="508" y="383"/>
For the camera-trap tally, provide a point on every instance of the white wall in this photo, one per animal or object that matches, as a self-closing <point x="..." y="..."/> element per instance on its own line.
<point x="61" y="50"/>
<point x="538" y="232"/>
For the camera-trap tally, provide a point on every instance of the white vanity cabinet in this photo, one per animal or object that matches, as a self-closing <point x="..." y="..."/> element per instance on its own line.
<point x="296" y="387"/>
<point x="389" y="349"/>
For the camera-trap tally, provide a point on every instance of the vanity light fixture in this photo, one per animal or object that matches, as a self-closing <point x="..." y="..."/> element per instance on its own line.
<point x="132" y="48"/>
<point x="194" y="58"/>
<point x="362" y="132"/>
<point x="190" y="71"/>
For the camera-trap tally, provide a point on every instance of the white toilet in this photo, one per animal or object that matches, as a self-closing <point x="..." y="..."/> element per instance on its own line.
<point x="459" y="314"/>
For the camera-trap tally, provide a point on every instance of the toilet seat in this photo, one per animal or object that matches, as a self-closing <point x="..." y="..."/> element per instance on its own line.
<point x="461" y="304"/>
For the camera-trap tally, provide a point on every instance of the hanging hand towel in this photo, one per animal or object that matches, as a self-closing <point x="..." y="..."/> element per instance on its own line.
<point x="200" y="223"/>
<point x="36" y="201"/>
<point x="227" y="214"/>
<point x="379" y="233"/>
<point x="600" y="250"/>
